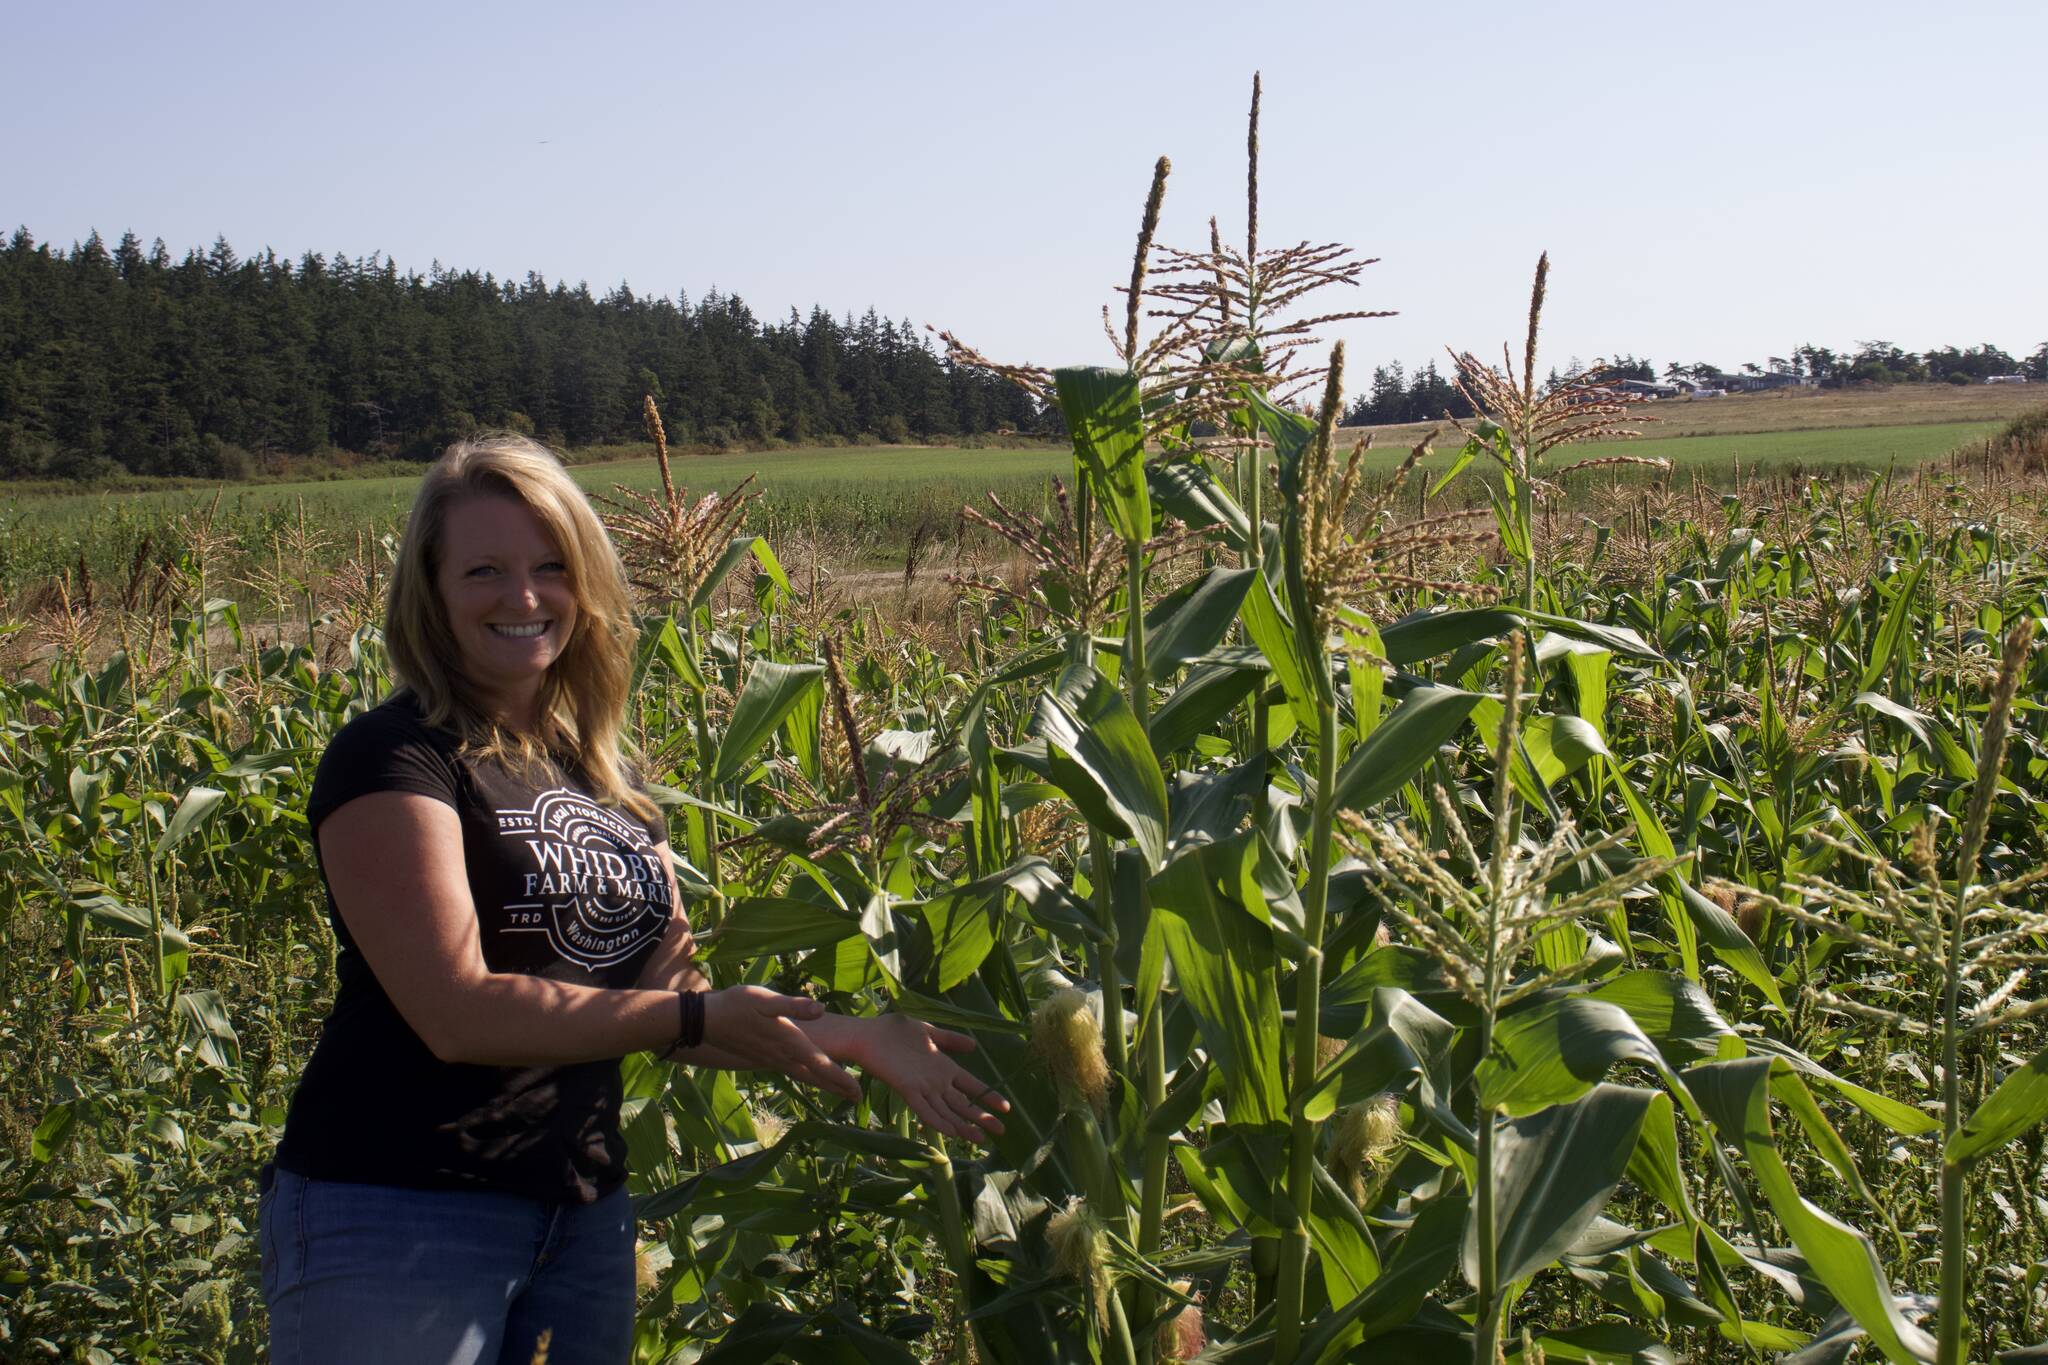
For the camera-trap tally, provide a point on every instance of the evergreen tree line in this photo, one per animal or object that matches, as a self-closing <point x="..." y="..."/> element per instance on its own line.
<point x="1396" y="395"/>
<point x="128" y="360"/>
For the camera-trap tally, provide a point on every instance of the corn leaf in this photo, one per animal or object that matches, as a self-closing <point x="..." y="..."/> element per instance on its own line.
<point x="1690" y="914"/>
<point x="1107" y="424"/>
<point x="1896" y="1115"/>
<point x="1190" y="492"/>
<point x="659" y="639"/>
<point x="1274" y="633"/>
<point x="1208" y="694"/>
<point x="1673" y="1012"/>
<point x="1553" y="1053"/>
<point x="1342" y="1240"/>
<point x="1736" y="1097"/>
<point x="1225" y="963"/>
<point x="1605" y="1343"/>
<point x="2019" y="1102"/>
<point x="1424" y="1256"/>
<point x="211" y="1031"/>
<point x="771" y="692"/>
<point x="1197" y="623"/>
<point x="737" y="549"/>
<point x="1097" y="754"/>
<point x="1554" y="1171"/>
<point x="1404" y="1041"/>
<point x="1891" y="634"/>
<point x="193" y="812"/>
<point x="1402" y="745"/>
<point x="759" y="925"/>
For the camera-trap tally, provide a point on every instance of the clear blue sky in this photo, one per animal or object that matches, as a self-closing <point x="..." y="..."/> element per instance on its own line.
<point x="1714" y="183"/>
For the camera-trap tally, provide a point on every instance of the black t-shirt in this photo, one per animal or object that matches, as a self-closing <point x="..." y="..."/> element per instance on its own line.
<point x="564" y="888"/>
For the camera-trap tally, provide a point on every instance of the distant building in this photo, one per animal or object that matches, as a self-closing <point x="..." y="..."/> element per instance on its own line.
<point x="2005" y="379"/>
<point x="1644" y="388"/>
<point x="1758" y="383"/>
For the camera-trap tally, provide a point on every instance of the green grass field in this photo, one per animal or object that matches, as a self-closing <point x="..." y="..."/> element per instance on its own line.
<point x="919" y="477"/>
<point x="863" y="505"/>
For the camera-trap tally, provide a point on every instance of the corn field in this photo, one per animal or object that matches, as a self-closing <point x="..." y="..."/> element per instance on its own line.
<point x="1602" y="922"/>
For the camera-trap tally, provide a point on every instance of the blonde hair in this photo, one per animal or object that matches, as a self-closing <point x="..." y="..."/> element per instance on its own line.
<point x="583" y="695"/>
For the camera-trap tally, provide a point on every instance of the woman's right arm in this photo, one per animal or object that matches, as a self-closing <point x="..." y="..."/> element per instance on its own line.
<point x="394" y="863"/>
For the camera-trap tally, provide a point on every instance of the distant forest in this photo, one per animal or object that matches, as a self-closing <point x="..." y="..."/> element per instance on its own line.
<point x="130" y="361"/>
<point x="217" y="366"/>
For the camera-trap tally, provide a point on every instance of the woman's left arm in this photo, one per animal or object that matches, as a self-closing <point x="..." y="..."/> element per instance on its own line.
<point x="912" y="1057"/>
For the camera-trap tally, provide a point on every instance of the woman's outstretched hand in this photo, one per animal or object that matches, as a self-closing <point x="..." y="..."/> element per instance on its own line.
<point x="913" y="1058"/>
<point x="758" y="1030"/>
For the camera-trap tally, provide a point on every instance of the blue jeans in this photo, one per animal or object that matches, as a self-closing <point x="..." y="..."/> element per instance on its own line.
<point x="357" y="1273"/>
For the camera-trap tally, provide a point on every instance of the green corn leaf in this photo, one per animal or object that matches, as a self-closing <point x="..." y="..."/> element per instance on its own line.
<point x="104" y="907"/>
<point x="1208" y="694"/>
<point x="964" y="921"/>
<point x="1736" y="1097"/>
<point x="1589" y="666"/>
<point x="1402" y="746"/>
<point x="1553" y="1053"/>
<point x="212" y="1032"/>
<point x="54" y="1132"/>
<point x="1405" y="1040"/>
<point x="1956" y="761"/>
<point x="1561" y="745"/>
<point x="1896" y="1115"/>
<point x="1196" y="623"/>
<point x="1097" y="754"/>
<point x="759" y="925"/>
<point x="2019" y="1102"/>
<point x="1107" y="423"/>
<point x="662" y="640"/>
<point x="1605" y="1343"/>
<point x="989" y="834"/>
<point x="1466" y="454"/>
<point x="771" y="568"/>
<point x="737" y="549"/>
<point x="1363" y="649"/>
<point x="1654" y="1165"/>
<point x="1891" y="634"/>
<point x="771" y="692"/>
<point x="1673" y="1012"/>
<point x="1428" y="634"/>
<point x="1189" y="491"/>
<point x="1554" y="1172"/>
<point x="1209" y="1180"/>
<point x="1789" y="1090"/>
<point x="955" y="1015"/>
<point x="194" y="811"/>
<point x="1426" y="1254"/>
<point x="804" y="731"/>
<point x="1722" y="934"/>
<point x="1916" y="722"/>
<point x="1291" y="434"/>
<point x="878" y="932"/>
<point x="1342" y="1240"/>
<point x="1228" y="971"/>
<point x="1691" y="915"/>
<point x="1274" y="633"/>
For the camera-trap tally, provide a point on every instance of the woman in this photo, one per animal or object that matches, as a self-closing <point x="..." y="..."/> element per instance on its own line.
<point x="450" y="1184"/>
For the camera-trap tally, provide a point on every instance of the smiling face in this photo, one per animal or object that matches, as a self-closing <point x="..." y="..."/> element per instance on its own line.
<point x="508" y="598"/>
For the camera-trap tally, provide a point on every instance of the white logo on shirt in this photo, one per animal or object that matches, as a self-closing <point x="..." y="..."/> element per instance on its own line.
<point x="596" y="887"/>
